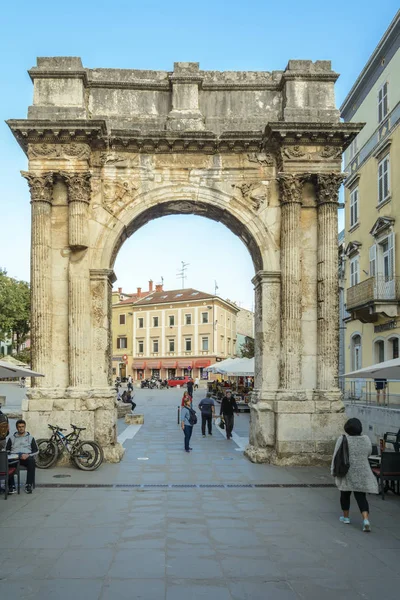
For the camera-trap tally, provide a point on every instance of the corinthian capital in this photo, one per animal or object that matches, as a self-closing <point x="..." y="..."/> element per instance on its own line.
<point x="78" y="186"/>
<point x="290" y="187"/>
<point x="40" y="186"/>
<point x="328" y="185"/>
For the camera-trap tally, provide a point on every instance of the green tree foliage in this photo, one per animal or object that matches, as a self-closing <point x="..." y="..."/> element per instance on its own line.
<point x="247" y="349"/>
<point x="15" y="309"/>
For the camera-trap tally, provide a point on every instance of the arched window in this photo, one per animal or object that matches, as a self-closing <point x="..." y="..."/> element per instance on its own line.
<point x="379" y="351"/>
<point x="356" y="360"/>
<point x="393" y="347"/>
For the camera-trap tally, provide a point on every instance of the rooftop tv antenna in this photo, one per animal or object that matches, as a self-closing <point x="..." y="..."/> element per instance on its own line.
<point x="182" y="273"/>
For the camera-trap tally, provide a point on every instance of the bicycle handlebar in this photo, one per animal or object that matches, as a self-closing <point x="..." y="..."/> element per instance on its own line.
<point x="56" y="427"/>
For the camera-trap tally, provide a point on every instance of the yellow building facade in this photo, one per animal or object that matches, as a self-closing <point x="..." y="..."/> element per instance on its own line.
<point x="372" y="210"/>
<point x="171" y="333"/>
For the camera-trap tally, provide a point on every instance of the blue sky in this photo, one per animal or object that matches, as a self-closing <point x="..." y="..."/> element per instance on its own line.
<point x="260" y="35"/>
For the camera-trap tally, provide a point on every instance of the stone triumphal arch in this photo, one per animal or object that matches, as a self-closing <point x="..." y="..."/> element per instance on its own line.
<point x="261" y="152"/>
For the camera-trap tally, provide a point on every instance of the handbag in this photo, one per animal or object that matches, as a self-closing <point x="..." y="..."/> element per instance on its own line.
<point x="341" y="462"/>
<point x="221" y="423"/>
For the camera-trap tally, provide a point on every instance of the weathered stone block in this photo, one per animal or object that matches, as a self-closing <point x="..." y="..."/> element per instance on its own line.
<point x="45" y="404"/>
<point x="134" y="419"/>
<point x="294" y="406"/>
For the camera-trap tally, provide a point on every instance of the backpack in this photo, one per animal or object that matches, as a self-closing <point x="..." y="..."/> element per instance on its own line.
<point x="192" y="416"/>
<point x="4" y="429"/>
<point x="341" y="463"/>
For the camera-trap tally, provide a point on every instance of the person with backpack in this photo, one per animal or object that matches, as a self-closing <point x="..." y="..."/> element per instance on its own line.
<point x="352" y="471"/>
<point x="127" y="399"/>
<point x="188" y="419"/>
<point x="228" y="407"/>
<point x="207" y="407"/>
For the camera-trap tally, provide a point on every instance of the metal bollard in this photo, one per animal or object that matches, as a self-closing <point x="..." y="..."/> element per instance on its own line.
<point x="179" y="413"/>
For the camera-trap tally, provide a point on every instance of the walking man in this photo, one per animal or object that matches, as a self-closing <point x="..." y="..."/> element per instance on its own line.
<point x="228" y="407"/>
<point x="196" y="383"/>
<point x="207" y="407"/>
<point x="23" y="444"/>
<point x="190" y="387"/>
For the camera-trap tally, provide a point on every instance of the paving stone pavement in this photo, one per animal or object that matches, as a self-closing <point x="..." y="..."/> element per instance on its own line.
<point x="192" y="543"/>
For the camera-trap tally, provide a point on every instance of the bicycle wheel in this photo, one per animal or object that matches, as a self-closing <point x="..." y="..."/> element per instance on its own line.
<point x="48" y="454"/>
<point x="88" y="456"/>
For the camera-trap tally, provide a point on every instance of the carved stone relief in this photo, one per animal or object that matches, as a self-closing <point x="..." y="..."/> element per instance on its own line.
<point x="255" y="194"/>
<point x="117" y="194"/>
<point x="261" y="158"/>
<point x="74" y="150"/>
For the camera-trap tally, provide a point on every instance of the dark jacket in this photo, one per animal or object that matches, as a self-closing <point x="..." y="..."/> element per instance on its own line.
<point x="228" y="406"/>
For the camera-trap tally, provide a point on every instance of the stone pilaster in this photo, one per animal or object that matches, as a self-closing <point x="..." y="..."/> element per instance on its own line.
<point x="267" y="361"/>
<point x="327" y="272"/>
<point x="290" y="199"/>
<point x="79" y="325"/>
<point x="78" y="185"/>
<point x="41" y="189"/>
<point x="101" y="281"/>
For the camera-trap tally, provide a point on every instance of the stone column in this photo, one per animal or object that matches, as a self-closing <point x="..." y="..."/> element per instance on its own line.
<point x="328" y="294"/>
<point x="41" y="189"/>
<point x="267" y="357"/>
<point x="78" y="185"/>
<point x="78" y="200"/>
<point x="290" y="199"/>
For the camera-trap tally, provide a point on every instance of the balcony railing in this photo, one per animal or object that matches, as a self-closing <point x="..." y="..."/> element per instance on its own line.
<point x="374" y="289"/>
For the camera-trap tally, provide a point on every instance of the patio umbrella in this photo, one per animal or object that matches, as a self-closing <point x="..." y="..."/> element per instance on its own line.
<point x="220" y="367"/>
<point x="241" y="368"/>
<point x="8" y="370"/>
<point x="390" y="369"/>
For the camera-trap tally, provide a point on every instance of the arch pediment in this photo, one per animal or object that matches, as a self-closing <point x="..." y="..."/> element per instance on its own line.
<point x="381" y="224"/>
<point x="352" y="248"/>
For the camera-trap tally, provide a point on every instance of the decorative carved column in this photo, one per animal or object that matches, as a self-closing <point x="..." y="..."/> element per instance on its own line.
<point x="78" y="185"/>
<point x="78" y="199"/>
<point x="327" y="271"/>
<point x="290" y="199"/>
<point x="41" y="189"/>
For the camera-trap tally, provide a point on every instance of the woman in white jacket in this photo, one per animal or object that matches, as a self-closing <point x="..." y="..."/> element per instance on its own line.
<point x="359" y="478"/>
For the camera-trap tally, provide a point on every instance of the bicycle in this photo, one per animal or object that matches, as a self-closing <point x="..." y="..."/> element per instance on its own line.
<point x="87" y="456"/>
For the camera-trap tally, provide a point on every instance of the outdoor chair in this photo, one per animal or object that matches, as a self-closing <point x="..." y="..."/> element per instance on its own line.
<point x="392" y="438"/>
<point x="6" y="470"/>
<point x="389" y="470"/>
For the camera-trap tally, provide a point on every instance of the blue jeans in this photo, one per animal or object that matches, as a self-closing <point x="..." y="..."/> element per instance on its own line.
<point x="188" y="429"/>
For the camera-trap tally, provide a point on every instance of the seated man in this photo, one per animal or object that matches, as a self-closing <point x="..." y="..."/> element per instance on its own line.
<point x="23" y="444"/>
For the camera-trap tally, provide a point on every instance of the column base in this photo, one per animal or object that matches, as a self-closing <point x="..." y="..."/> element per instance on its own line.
<point x="298" y="427"/>
<point x="94" y="409"/>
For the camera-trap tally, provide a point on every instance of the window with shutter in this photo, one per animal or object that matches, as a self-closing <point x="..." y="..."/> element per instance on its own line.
<point x="383" y="105"/>
<point x="383" y="179"/>
<point x="354" y="207"/>
<point x="372" y="261"/>
<point x="391" y="256"/>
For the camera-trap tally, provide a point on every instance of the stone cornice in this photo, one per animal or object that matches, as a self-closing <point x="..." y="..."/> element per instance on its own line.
<point x="336" y="134"/>
<point x="95" y="134"/>
<point x="62" y="131"/>
<point x="37" y="73"/>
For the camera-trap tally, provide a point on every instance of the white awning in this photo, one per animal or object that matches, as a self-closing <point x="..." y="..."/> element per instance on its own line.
<point x="244" y="367"/>
<point x="8" y="370"/>
<point x="390" y="369"/>
<point x="220" y="367"/>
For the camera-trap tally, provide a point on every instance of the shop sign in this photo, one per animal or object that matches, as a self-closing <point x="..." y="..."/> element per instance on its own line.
<point x="385" y="326"/>
<point x="118" y="358"/>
